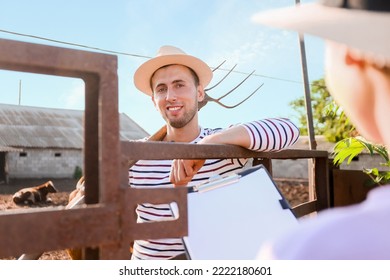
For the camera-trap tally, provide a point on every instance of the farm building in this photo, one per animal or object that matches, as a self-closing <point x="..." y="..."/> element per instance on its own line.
<point x="45" y="142"/>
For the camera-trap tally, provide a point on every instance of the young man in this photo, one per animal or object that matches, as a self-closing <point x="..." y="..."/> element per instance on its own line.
<point x="357" y="73"/>
<point x="175" y="82"/>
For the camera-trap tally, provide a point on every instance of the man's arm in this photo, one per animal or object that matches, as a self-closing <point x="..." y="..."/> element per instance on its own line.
<point x="272" y="134"/>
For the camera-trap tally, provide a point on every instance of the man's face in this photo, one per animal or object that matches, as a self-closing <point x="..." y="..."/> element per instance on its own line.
<point x="175" y="95"/>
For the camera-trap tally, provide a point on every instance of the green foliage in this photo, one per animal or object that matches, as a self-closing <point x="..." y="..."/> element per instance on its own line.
<point x="351" y="147"/>
<point x="78" y="172"/>
<point x="328" y="118"/>
<point x="347" y="148"/>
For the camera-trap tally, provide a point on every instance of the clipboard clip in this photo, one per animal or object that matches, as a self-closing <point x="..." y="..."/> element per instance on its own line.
<point x="215" y="183"/>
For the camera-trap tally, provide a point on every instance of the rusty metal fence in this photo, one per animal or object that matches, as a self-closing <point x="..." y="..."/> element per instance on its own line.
<point x="106" y="225"/>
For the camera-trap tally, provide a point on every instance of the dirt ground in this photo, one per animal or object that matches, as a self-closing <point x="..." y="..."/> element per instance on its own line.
<point x="64" y="187"/>
<point x="294" y="190"/>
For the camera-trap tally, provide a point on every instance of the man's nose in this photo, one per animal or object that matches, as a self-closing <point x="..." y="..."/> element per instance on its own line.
<point x="171" y="94"/>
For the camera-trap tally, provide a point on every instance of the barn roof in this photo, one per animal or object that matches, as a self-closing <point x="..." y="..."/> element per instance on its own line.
<point x="35" y="127"/>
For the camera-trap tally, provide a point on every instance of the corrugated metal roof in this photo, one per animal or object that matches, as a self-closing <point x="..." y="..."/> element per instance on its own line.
<point x="130" y="130"/>
<point x="9" y="149"/>
<point x="35" y="127"/>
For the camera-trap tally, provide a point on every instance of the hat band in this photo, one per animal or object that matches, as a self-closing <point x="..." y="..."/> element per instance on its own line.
<point x="370" y="5"/>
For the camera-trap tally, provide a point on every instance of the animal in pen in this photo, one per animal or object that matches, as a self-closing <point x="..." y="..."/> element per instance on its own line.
<point x="34" y="195"/>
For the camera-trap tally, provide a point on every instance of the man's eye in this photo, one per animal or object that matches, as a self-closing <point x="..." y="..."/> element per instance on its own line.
<point x="161" y="90"/>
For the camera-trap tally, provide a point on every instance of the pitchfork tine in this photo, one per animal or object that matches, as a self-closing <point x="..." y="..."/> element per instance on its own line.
<point x="216" y="68"/>
<point x="233" y="106"/>
<point x="233" y="89"/>
<point x="220" y="81"/>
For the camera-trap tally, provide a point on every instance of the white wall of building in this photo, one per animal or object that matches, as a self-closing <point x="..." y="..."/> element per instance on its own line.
<point x="44" y="163"/>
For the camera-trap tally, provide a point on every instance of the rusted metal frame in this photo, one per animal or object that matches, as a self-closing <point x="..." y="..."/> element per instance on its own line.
<point x="102" y="150"/>
<point x="102" y="156"/>
<point x="101" y="120"/>
<point x="167" y="150"/>
<point x="155" y="230"/>
<point x="91" y="150"/>
<point x="40" y="230"/>
<point x="267" y="162"/>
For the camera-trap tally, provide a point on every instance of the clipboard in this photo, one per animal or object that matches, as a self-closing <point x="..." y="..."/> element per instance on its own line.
<point x="230" y="218"/>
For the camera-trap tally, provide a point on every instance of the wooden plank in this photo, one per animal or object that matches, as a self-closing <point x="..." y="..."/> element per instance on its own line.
<point x="350" y="186"/>
<point x="305" y="208"/>
<point x="321" y="183"/>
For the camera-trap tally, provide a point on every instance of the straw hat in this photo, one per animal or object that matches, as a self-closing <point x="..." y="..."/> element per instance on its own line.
<point x="168" y="55"/>
<point x="360" y="24"/>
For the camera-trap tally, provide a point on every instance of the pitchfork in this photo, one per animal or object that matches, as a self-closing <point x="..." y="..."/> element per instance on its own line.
<point x="218" y="100"/>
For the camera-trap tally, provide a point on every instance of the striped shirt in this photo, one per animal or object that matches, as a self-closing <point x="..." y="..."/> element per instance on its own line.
<point x="266" y="135"/>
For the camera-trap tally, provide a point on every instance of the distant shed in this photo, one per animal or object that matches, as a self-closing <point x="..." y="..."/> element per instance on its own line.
<point x="46" y="142"/>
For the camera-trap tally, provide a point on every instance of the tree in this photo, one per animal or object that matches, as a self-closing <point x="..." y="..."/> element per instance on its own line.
<point x="328" y="118"/>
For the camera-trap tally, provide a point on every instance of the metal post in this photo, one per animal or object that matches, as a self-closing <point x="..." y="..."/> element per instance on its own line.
<point x="309" y="115"/>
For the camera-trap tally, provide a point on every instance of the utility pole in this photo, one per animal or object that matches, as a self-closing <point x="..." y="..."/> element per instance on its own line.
<point x="309" y="115"/>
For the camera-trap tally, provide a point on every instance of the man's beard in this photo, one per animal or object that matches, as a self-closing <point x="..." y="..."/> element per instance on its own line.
<point x="183" y="121"/>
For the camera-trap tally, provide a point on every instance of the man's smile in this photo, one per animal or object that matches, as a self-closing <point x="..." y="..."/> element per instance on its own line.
<point x="174" y="108"/>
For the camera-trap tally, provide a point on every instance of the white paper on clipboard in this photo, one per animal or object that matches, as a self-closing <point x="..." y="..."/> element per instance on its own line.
<point x="232" y="221"/>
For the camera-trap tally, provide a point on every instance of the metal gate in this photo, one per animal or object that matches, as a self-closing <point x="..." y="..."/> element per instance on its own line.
<point x="106" y="224"/>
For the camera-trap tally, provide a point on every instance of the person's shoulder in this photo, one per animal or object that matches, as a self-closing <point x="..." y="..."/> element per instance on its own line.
<point x="334" y="233"/>
<point x="304" y="241"/>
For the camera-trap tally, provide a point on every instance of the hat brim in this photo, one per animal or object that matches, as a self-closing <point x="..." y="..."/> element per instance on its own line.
<point x="364" y="30"/>
<point x="144" y="73"/>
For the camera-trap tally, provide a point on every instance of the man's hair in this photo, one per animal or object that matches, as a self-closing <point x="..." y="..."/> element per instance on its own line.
<point x="194" y="75"/>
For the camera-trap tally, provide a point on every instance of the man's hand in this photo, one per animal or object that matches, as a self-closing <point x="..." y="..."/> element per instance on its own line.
<point x="183" y="170"/>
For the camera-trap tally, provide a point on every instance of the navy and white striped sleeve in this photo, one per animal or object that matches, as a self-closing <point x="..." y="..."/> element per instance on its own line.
<point x="271" y="134"/>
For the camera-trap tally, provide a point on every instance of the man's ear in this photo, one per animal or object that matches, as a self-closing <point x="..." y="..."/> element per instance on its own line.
<point x="354" y="58"/>
<point x="201" y="93"/>
<point x="154" y="101"/>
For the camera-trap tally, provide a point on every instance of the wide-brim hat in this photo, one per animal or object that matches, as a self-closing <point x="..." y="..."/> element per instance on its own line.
<point x="360" y="24"/>
<point x="168" y="55"/>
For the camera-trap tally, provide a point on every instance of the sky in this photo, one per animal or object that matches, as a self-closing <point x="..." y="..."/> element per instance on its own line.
<point x="214" y="30"/>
